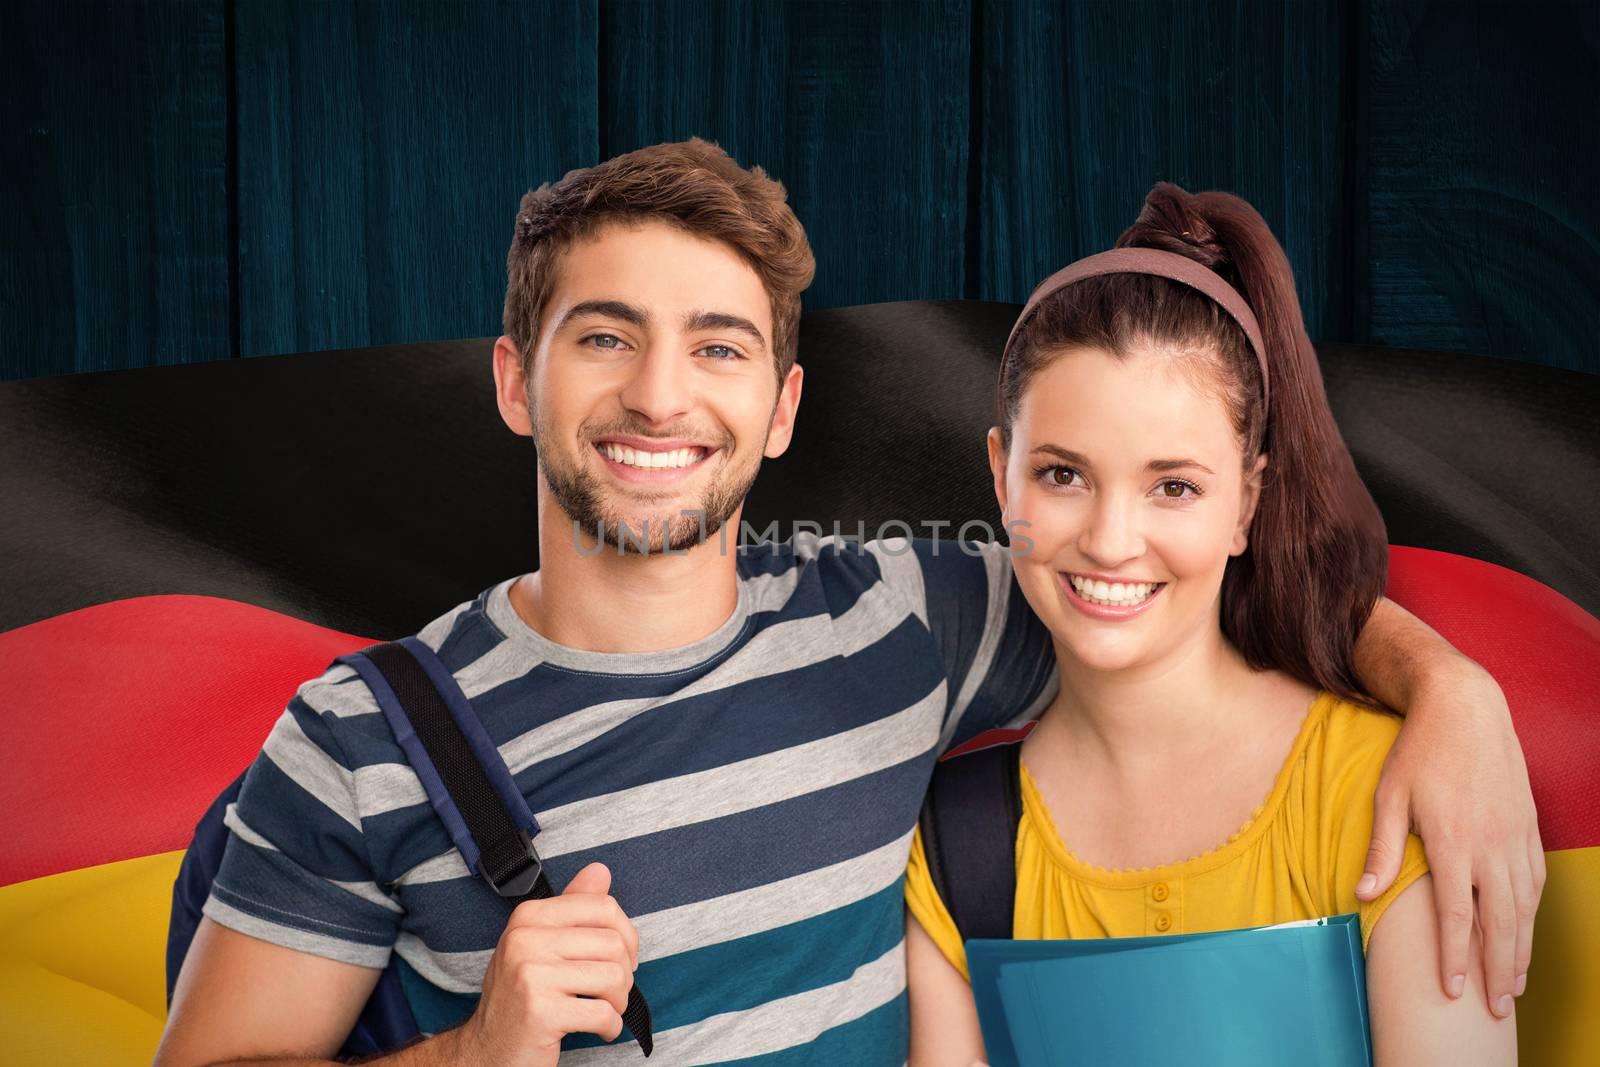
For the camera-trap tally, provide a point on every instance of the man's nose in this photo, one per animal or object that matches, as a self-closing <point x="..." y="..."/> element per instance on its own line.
<point x="661" y="386"/>
<point x="1112" y="536"/>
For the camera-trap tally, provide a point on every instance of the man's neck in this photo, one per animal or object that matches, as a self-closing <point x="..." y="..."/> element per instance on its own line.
<point x="590" y="597"/>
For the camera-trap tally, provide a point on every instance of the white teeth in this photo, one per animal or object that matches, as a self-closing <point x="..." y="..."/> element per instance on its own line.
<point x="677" y="457"/>
<point x="1114" y="594"/>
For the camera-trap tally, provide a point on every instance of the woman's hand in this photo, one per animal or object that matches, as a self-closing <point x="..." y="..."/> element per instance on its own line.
<point x="1456" y="774"/>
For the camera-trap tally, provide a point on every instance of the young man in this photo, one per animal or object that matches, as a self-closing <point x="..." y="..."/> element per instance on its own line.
<point x="725" y="751"/>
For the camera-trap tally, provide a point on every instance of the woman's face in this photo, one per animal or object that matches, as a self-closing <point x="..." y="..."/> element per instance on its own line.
<point x="1130" y="477"/>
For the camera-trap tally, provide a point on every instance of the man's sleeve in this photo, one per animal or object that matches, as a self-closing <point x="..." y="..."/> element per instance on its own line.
<point x="296" y="870"/>
<point x="996" y="655"/>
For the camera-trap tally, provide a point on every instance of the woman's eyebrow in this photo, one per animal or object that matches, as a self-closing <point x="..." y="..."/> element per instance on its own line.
<point x="1078" y="459"/>
<point x="1065" y="455"/>
<point x="1177" y="464"/>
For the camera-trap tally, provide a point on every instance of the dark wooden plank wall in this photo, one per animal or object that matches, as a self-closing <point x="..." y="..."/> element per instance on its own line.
<point x="861" y="110"/>
<point x="1088" y="104"/>
<point x="382" y="152"/>
<point x="191" y="179"/>
<point x="1484" y="226"/>
<point x="114" y="239"/>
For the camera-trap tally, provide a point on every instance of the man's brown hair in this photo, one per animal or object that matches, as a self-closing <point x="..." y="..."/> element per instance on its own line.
<point x="692" y="184"/>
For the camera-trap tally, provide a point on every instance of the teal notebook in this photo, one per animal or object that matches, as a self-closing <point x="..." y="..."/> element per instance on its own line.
<point x="1290" y="994"/>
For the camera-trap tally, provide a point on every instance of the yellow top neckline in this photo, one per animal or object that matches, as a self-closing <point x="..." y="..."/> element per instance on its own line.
<point x="1035" y="809"/>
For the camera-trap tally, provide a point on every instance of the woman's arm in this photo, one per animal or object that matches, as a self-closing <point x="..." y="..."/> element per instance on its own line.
<point x="1413" y="1022"/>
<point x="1456" y="775"/>
<point x="944" y="1018"/>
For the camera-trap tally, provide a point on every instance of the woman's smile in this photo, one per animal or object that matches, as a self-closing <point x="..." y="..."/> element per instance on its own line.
<point x="1108" y="599"/>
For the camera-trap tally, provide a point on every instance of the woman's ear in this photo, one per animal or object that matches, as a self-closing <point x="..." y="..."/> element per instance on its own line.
<point x="997" y="468"/>
<point x="1248" y="501"/>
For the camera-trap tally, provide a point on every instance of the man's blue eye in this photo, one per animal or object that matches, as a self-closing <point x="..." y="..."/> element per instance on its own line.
<point x="721" y="351"/>
<point x="606" y="340"/>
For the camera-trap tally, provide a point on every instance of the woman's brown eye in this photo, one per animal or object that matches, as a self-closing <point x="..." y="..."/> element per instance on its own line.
<point x="1061" y="476"/>
<point x="1173" y="488"/>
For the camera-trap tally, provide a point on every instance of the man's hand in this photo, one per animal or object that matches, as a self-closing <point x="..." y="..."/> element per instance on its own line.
<point x="564" y="965"/>
<point x="1457" y="775"/>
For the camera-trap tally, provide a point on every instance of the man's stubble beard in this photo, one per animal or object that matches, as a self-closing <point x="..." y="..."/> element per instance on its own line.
<point x="577" y="492"/>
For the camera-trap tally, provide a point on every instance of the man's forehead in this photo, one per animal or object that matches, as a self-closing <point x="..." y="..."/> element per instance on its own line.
<point x="663" y="274"/>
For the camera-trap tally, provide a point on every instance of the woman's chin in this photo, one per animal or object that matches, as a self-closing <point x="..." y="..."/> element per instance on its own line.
<point x="1105" y="654"/>
<point x="1096" y="646"/>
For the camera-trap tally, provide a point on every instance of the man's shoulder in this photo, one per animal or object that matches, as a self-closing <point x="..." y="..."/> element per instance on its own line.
<point x="837" y="552"/>
<point x="459" y="637"/>
<point x="938" y="581"/>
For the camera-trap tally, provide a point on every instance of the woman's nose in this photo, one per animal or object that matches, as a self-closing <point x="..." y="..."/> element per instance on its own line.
<point x="1111" y="534"/>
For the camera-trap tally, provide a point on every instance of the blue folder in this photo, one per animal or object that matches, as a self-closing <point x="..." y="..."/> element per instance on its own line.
<point x="1292" y="994"/>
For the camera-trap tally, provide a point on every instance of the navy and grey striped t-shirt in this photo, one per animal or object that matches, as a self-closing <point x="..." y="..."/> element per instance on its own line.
<point x="753" y="794"/>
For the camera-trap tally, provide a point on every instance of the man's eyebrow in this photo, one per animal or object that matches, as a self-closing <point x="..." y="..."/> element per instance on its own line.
<point x="1177" y="464"/>
<point x="696" y="321"/>
<point x="610" y="309"/>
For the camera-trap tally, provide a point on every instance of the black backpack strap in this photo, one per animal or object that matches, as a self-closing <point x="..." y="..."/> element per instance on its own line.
<point x="466" y="779"/>
<point x="969" y="834"/>
<point x="492" y="832"/>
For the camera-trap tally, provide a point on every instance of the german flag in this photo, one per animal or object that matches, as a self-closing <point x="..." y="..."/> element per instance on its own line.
<point x="306" y="483"/>
<point x="123" y="723"/>
<point x="126" y="719"/>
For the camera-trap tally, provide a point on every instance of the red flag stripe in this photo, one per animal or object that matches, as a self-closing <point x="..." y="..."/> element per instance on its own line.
<point x="126" y="719"/>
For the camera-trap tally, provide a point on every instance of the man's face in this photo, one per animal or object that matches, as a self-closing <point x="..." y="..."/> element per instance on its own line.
<point x="651" y="391"/>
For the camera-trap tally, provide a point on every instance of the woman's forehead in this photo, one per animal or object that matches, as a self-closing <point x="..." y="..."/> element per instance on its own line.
<point x="1127" y="408"/>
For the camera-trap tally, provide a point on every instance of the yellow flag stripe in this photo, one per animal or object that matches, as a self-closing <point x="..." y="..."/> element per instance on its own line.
<point x="83" y="964"/>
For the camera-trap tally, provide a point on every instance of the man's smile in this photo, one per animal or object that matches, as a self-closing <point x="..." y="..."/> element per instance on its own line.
<point x="652" y="461"/>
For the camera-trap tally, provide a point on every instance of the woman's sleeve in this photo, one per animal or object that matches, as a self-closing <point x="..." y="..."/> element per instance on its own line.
<point x="922" y="899"/>
<point x="1351" y="759"/>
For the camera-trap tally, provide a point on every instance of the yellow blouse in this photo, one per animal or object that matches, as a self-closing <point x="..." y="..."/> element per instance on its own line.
<point x="1298" y="857"/>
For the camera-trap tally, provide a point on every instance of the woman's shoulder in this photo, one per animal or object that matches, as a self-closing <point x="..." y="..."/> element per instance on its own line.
<point x="1341" y="767"/>
<point x="1334" y="774"/>
<point x="1344" y="736"/>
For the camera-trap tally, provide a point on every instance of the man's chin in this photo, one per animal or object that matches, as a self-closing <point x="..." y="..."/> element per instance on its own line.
<point x="644" y="537"/>
<point x="641" y="520"/>
<point x="677" y="528"/>
<point x="654" y="517"/>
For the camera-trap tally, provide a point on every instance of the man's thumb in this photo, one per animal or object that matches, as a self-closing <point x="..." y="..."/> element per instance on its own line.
<point x="1390" y="825"/>
<point x="595" y="878"/>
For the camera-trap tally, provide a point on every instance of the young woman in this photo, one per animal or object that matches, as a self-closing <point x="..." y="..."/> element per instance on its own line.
<point x="1204" y="555"/>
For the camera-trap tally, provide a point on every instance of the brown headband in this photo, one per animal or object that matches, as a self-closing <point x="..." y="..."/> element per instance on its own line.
<point x="1178" y="268"/>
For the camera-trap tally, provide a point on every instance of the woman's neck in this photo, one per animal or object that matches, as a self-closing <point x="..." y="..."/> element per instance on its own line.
<point x="1199" y="698"/>
<point x="1151" y="765"/>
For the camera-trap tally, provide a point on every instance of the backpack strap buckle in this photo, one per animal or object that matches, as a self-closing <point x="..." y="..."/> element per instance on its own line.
<point x="513" y="867"/>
